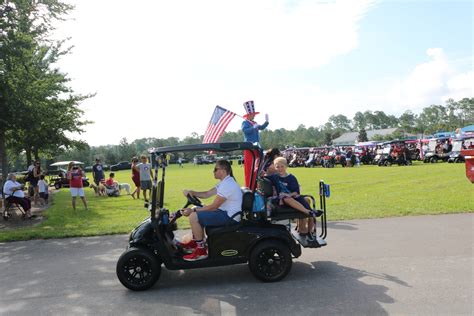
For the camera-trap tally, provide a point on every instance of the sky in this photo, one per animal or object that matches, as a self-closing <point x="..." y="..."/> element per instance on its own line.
<point x="159" y="68"/>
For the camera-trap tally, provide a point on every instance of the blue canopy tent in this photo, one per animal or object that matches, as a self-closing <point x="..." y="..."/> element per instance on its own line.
<point x="469" y="128"/>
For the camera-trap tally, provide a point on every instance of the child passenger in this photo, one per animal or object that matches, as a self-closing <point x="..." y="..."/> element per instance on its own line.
<point x="288" y="191"/>
<point x="43" y="190"/>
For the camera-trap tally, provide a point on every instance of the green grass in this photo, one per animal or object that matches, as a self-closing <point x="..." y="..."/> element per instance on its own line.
<point x="365" y="192"/>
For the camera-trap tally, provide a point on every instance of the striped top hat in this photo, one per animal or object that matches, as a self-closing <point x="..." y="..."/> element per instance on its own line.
<point x="249" y="108"/>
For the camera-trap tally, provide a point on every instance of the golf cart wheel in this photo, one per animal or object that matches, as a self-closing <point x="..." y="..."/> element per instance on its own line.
<point x="387" y="163"/>
<point x="138" y="269"/>
<point x="270" y="261"/>
<point x="434" y="160"/>
<point x="57" y="186"/>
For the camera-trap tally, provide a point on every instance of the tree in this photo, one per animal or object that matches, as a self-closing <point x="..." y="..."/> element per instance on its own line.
<point x="432" y="119"/>
<point x="38" y="108"/>
<point x="407" y="121"/>
<point x="362" y="136"/>
<point x="340" y="122"/>
<point x="360" y="121"/>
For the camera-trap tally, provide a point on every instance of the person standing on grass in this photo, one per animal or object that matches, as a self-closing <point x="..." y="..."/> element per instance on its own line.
<point x="98" y="172"/>
<point x="35" y="175"/>
<point x="43" y="190"/>
<point x="136" y="177"/>
<point x="146" y="174"/>
<point x="75" y="174"/>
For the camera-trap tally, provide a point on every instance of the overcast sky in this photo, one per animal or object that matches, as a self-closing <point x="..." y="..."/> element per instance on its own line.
<point x="160" y="67"/>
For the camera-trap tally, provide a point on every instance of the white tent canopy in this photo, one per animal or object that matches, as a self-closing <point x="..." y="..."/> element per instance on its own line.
<point x="65" y="163"/>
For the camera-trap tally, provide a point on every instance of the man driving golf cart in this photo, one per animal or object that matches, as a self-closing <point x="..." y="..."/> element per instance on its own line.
<point x="255" y="237"/>
<point x="224" y="210"/>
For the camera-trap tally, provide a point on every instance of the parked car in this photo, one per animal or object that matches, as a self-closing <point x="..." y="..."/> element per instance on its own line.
<point x="57" y="175"/>
<point x="123" y="165"/>
<point x="88" y="169"/>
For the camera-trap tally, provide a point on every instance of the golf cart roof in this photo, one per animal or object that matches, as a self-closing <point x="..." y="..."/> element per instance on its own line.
<point x="65" y="163"/>
<point x="222" y="147"/>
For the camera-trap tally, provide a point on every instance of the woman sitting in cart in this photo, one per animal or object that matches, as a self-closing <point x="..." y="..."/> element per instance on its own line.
<point x="224" y="210"/>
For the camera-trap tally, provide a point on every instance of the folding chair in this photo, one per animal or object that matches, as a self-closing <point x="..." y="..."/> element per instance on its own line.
<point x="11" y="208"/>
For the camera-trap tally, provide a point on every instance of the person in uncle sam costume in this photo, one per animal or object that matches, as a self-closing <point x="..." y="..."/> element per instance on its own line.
<point x="251" y="134"/>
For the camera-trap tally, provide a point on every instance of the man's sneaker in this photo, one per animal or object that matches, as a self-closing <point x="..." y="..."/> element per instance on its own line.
<point x="188" y="247"/>
<point x="197" y="254"/>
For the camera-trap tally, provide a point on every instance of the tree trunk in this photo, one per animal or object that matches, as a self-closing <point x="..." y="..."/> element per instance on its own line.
<point x="28" y="156"/>
<point x="35" y="152"/>
<point x="3" y="155"/>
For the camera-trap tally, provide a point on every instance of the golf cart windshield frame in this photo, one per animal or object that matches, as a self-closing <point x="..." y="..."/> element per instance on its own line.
<point x="159" y="161"/>
<point x="221" y="147"/>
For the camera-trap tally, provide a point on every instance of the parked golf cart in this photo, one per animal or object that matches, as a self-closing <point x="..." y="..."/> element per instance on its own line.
<point x="58" y="179"/>
<point x="257" y="239"/>
<point x="458" y="145"/>
<point x="394" y="152"/>
<point x="435" y="150"/>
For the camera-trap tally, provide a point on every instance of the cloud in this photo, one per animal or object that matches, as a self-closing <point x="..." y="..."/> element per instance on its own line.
<point x="159" y="67"/>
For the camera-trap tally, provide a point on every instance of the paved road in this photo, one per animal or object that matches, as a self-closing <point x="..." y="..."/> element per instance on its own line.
<point x="412" y="265"/>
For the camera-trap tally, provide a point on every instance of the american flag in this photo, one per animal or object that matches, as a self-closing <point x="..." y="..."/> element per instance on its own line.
<point x="217" y="125"/>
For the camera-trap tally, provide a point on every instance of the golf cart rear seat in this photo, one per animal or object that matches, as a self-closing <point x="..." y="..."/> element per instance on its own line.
<point x="247" y="204"/>
<point x="281" y="212"/>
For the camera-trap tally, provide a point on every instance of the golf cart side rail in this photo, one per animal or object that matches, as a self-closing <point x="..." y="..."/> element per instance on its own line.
<point x="221" y="147"/>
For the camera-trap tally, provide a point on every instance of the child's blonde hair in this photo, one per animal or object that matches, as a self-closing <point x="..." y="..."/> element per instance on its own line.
<point x="280" y="160"/>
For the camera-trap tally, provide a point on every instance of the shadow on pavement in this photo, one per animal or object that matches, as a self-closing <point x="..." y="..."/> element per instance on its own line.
<point x="342" y="225"/>
<point x="319" y="288"/>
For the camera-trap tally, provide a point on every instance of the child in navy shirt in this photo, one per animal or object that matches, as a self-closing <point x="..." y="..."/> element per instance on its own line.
<point x="288" y="192"/>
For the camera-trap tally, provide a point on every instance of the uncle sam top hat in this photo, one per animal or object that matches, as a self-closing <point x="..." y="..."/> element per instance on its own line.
<point x="249" y="108"/>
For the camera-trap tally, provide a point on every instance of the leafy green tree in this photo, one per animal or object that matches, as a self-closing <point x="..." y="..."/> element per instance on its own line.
<point x="38" y="107"/>
<point x="360" y="121"/>
<point x="340" y="122"/>
<point x="407" y="121"/>
<point x="362" y="136"/>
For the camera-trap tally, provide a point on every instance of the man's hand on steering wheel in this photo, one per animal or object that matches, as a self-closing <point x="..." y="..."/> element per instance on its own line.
<point x="187" y="211"/>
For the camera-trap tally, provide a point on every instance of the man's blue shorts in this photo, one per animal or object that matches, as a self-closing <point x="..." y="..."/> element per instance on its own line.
<point x="214" y="218"/>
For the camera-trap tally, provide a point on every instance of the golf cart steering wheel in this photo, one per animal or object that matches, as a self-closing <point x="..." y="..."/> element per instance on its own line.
<point x="193" y="200"/>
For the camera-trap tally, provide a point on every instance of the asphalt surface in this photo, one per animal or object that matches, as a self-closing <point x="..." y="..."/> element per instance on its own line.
<point x="411" y="265"/>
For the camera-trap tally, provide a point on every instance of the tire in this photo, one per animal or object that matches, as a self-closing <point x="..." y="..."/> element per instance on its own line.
<point x="57" y="186"/>
<point x="270" y="261"/>
<point x="434" y="160"/>
<point x="138" y="269"/>
<point x="456" y="160"/>
<point x="387" y="163"/>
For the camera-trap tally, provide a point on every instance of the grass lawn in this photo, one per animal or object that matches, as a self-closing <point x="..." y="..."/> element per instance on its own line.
<point x="365" y="192"/>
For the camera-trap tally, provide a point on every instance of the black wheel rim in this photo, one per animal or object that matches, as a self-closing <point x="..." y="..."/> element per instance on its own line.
<point x="271" y="262"/>
<point x="138" y="270"/>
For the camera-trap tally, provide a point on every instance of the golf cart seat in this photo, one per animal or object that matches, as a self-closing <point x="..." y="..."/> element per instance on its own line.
<point x="280" y="212"/>
<point x="247" y="204"/>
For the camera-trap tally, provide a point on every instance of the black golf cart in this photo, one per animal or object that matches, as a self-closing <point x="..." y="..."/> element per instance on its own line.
<point x="268" y="247"/>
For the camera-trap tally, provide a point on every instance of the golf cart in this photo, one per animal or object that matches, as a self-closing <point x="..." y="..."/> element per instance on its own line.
<point x="458" y="144"/>
<point x="58" y="179"/>
<point x="436" y="152"/>
<point x="394" y="153"/>
<point x="268" y="247"/>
